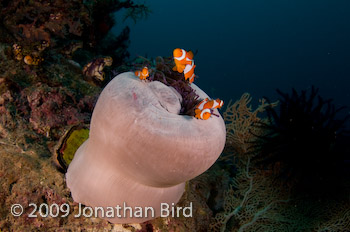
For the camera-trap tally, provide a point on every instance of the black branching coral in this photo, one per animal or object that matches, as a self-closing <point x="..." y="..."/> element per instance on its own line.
<point x="306" y="143"/>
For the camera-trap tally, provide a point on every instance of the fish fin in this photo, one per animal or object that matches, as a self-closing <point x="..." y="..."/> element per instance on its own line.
<point x="197" y="113"/>
<point x="180" y="68"/>
<point x="191" y="79"/>
<point x="190" y="55"/>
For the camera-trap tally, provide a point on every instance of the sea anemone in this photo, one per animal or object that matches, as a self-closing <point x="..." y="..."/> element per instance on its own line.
<point x="161" y="70"/>
<point x="305" y="143"/>
<point x="140" y="149"/>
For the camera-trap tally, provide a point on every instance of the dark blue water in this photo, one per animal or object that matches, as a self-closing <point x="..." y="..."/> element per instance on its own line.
<point x="254" y="46"/>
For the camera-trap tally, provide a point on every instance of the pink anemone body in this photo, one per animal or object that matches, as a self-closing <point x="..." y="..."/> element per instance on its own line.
<point x="140" y="151"/>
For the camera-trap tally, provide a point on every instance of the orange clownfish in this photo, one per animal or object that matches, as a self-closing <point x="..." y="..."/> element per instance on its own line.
<point x="205" y="108"/>
<point x="215" y="104"/>
<point x="182" y="58"/>
<point x="143" y="74"/>
<point x="201" y="112"/>
<point x="189" y="72"/>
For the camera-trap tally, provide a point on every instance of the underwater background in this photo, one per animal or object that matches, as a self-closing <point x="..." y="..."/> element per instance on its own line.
<point x="254" y="46"/>
<point x="286" y="162"/>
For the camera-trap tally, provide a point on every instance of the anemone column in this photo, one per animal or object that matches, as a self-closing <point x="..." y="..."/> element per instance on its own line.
<point x="141" y="151"/>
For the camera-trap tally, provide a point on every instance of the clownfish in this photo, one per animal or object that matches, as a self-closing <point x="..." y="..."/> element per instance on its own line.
<point x="215" y="104"/>
<point x="189" y="72"/>
<point x="143" y="74"/>
<point x="201" y="112"/>
<point x="205" y="108"/>
<point x="182" y="58"/>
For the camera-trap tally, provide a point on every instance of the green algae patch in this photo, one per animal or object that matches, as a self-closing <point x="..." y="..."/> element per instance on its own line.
<point x="69" y="144"/>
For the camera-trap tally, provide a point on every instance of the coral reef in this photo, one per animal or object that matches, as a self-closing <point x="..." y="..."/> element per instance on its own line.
<point x="27" y="178"/>
<point x="44" y="46"/>
<point x="240" y="123"/>
<point x="251" y="202"/>
<point x="51" y="108"/>
<point x="40" y="30"/>
<point x="31" y="21"/>
<point x="38" y="83"/>
<point x="94" y="69"/>
<point x="6" y="101"/>
<point x="256" y="200"/>
<point x="235" y="194"/>
<point x="27" y="170"/>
